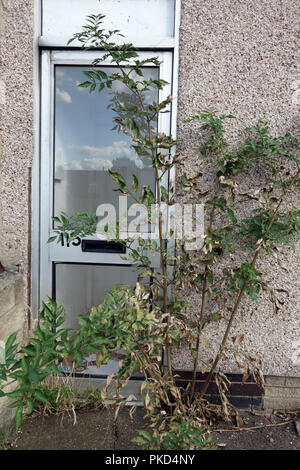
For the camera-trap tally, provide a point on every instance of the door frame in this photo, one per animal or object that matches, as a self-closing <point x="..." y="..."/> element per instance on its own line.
<point x="50" y="253"/>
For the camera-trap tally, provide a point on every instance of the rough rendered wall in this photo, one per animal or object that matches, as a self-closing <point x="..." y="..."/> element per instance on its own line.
<point x="16" y="130"/>
<point x="16" y="155"/>
<point x="242" y="57"/>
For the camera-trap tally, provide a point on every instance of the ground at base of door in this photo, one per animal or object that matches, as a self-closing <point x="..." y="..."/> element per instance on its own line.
<point x="95" y="430"/>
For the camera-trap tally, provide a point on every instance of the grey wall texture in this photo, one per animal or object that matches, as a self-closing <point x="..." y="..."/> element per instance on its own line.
<point x="242" y="57"/>
<point x="16" y="131"/>
<point x="16" y="136"/>
<point x="16" y="159"/>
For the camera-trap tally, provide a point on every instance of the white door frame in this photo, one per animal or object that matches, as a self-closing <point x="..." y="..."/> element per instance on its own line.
<point x="55" y="252"/>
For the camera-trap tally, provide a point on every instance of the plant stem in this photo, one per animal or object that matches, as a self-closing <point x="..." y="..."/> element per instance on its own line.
<point x="199" y="333"/>
<point x="238" y="301"/>
<point x="225" y="337"/>
<point x="161" y="240"/>
<point x="160" y="221"/>
<point x="200" y="321"/>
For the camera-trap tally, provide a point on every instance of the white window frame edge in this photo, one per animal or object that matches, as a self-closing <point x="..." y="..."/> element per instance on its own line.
<point x="174" y="109"/>
<point x="140" y="43"/>
<point x="35" y="189"/>
<point x="38" y="277"/>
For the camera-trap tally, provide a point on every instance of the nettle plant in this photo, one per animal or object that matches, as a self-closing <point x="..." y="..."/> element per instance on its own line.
<point x="26" y="367"/>
<point x="150" y="319"/>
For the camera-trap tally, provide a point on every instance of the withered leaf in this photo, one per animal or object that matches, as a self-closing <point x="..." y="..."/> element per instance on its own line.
<point x="239" y="420"/>
<point x="238" y="339"/>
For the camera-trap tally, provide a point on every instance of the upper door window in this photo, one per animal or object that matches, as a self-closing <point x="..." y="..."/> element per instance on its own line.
<point x="141" y="18"/>
<point x="87" y="145"/>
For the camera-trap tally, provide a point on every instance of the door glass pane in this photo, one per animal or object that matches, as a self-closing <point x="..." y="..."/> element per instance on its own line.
<point x="86" y="146"/>
<point x="79" y="287"/>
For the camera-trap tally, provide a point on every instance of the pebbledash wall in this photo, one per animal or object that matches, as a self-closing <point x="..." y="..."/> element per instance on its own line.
<point x="239" y="56"/>
<point x="243" y="57"/>
<point x="16" y="160"/>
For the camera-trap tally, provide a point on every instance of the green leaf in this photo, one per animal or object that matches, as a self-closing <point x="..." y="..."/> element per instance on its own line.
<point x="19" y="417"/>
<point x="15" y="394"/>
<point x="29" y="406"/>
<point x="51" y="239"/>
<point x="11" y="340"/>
<point x="34" y="376"/>
<point x="15" y="404"/>
<point x="135" y="184"/>
<point x="24" y="365"/>
<point x="84" y="84"/>
<point x="29" y="350"/>
<point x="101" y="86"/>
<point x="55" y="369"/>
<point x="118" y="178"/>
<point x="40" y="396"/>
<point x="145" y="435"/>
<point x="165" y="194"/>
